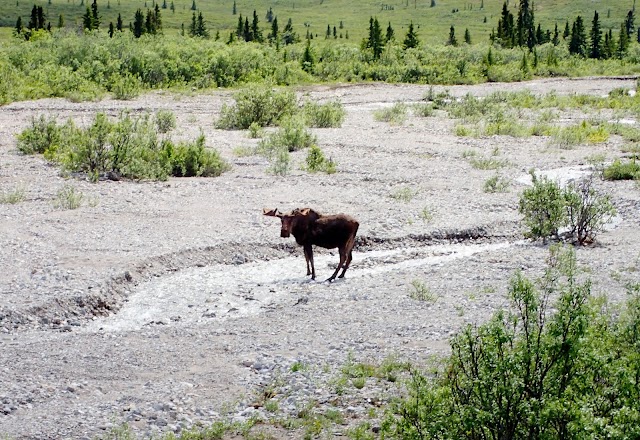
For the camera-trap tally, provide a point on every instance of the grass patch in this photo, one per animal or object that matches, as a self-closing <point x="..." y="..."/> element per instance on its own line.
<point x="329" y="115"/>
<point x="487" y="163"/>
<point x="620" y="170"/>
<point x="68" y="198"/>
<point x="403" y="194"/>
<point x="394" y="115"/>
<point x="420" y="292"/>
<point x="496" y="184"/>
<point x="12" y="197"/>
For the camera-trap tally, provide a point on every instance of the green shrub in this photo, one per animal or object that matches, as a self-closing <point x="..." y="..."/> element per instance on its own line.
<point x="43" y="133"/>
<point x="329" y="115"/>
<point x="496" y="184"/>
<point x="543" y="208"/>
<point x="619" y="170"/>
<point x="258" y="104"/>
<point x="317" y="162"/>
<point x="292" y="135"/>
<point x="395" y="115"/>
<point x="191" y="159"/>
<point x="424" y="109"/>
<point x="12" y="197"/>
<point x="403" y="194"/>
<point x="420" y="292"/>
<point x="280" y="162"/>
<point x="165" y="121"/>
<point x="68" y="198"/>
<point x="125" y="87"/>
<point x="557" y="364"/>
<point x="587" y="211"/>
<point x="255" y="131"/>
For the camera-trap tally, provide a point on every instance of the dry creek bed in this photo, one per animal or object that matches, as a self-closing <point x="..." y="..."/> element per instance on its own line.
<point x="165" y="305"/>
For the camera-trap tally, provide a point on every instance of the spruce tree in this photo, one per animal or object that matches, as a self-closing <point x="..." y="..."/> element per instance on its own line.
<point x="119" y="23"/>
<point x="452" y="37"/>
<point x="240" y="27"/>
<point x="19" y="28"/>
<point x="506" y="30"/>
<point x="629" y="23"/>
<point x="246" y="31"/>
<point x="87" y="21"/>
<point x="525" y="27"/>
<point x="255" y="28"/>
<point x="138" y="24"/>
<point x="234" y="11"/>
<point x="375" y="38"/>
<point x="201" y="27"/>
<point x="193" y="5"/>
<point x="95" y="17"/>
<point x="289" y="36"/>
<point x="556" y="36"/>
<point x="111" y="29"/>
<point x="596" y="38"/>
<point x="389" y="35"/>
<point x="566" y="32"/>
<point x="308" y="60"/>
<point x="60" y="21"/>
<point x="467" y="36"/>
<point x="578" y="38"/>
<point x="273" y="35"/>
<point x="623" y="41"/>
<point x="411" y="39"/>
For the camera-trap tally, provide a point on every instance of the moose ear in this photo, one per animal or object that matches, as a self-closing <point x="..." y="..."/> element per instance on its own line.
<point x="271" y="212"/>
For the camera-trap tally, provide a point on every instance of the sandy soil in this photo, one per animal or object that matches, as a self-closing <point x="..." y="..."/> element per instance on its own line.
<point x="168" y="304"/>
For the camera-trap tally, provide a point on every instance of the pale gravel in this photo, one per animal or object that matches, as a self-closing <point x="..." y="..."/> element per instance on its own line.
<point x="168" y="304"/>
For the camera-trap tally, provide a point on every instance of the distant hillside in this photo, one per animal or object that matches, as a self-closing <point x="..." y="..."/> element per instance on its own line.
<point x="349" y="18"/>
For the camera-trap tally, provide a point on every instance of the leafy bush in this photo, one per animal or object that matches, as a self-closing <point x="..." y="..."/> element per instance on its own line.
<point x="259" y="104"/>
<point x="543" y="208"/>
<point x="128" y="147"/>
<point x="317" y="162"/>
<point x="43" y="133"/>
<point x="292" y="135"/>
<point x="496" y="184"/>
<point x="542" y="370"/>
<point x="587" y="211"/>
<point x="619" y="170"/>
<point x="547" y="207"/>
<point x="329" y="115"/>
<point x="165" y="121"/>
<point x="193" y="160"/>
<point x="68" y="198"/>
<point x="396" y="114"/>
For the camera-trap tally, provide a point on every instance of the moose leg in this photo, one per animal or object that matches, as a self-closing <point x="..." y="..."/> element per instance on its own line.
<point x="308" y="255"/>
<point x="343" y="259"/>
<point x="348" y="251"/>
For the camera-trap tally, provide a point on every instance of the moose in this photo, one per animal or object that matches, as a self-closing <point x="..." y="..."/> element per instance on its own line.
<point x="309" y="228"/>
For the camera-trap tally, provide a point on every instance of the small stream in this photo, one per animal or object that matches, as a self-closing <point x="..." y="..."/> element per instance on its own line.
<point x="221" y="291"/>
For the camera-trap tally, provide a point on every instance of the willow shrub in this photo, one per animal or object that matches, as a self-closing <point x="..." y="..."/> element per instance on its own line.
<point x="85" y="66"/>
<point x="558" y="364"/>
<point x="130" y="147"/>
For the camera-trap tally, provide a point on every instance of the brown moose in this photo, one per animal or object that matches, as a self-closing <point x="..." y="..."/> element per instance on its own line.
<point x="309" y="228"/>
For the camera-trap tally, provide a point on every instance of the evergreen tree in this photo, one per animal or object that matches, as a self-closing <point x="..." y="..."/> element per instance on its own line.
<point x="609" y="47"/>
<point x="525" y="27"/>
<point x="148" y="23"/>
<point x="540" y="37"/>
<point x="235" y="9"/>
<point x="240" y="27"/>
<point x="566" y="32"/>
<point x="452" y="37"/>
<point x="506" y="31"/>
<point x="60" y="21"/>
<point x="629" y="23"/>
<point x="164" y="4"/>
<point x="193" y="5"/>
<point x="201" y="27"/>
<point x="87" y="20"/>
<point x="273" y="35"/>
<point x="95" y="17"/>
<point x="157" y="19"/>
<point x="19" y="28"/>
<point x="375" y="38"/>
<point x="578" y="38"/>
<point x="255" y="28"/>
<point x="328" y="33"/>
<point x="389" y="35"/>
<point x="269" y="15"/>
<point x="308" y="60"/>
<point x="289" y="36"/>
<point x="111" y="29"/>
<point x="138" y="24"/>
<point x="556" y="36"/>
<point x="246" y="31"/>
<point x="596" y="38"/>
<point x="467" y="36"/>
<point x="411" y="39"/>
<point x="173" y="8"/>
<point x="623" y="41"/>
<point x="119" y="23"/>
<point x="335" y="33"/>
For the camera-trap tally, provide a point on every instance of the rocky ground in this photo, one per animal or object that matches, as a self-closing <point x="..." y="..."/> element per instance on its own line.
<point x="169" y="305"/>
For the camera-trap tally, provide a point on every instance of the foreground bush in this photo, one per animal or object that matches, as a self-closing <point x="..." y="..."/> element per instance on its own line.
<point x="541" y="370"/>
<point x="546" y="207"/>
<point x="259" y="105"/>
<point x="129" y="147"/>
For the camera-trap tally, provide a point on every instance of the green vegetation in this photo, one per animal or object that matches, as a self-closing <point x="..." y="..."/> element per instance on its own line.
<point x="68" y="198"/>
<point x="316" y="161"/>
<point x="547" y="207"/>
<point x="395" y="115"/>
<point x="403" y="194"/>
<point x="129" y="147"/>
<point x="329" y="115"/>
<point x="620" y="170"/>
<point x="496" y="184"/>
<point x="420" y="292"/>
<point x="259" y="105"/>
<point x="12" y="197"/>
<point x="541" y="369"/>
